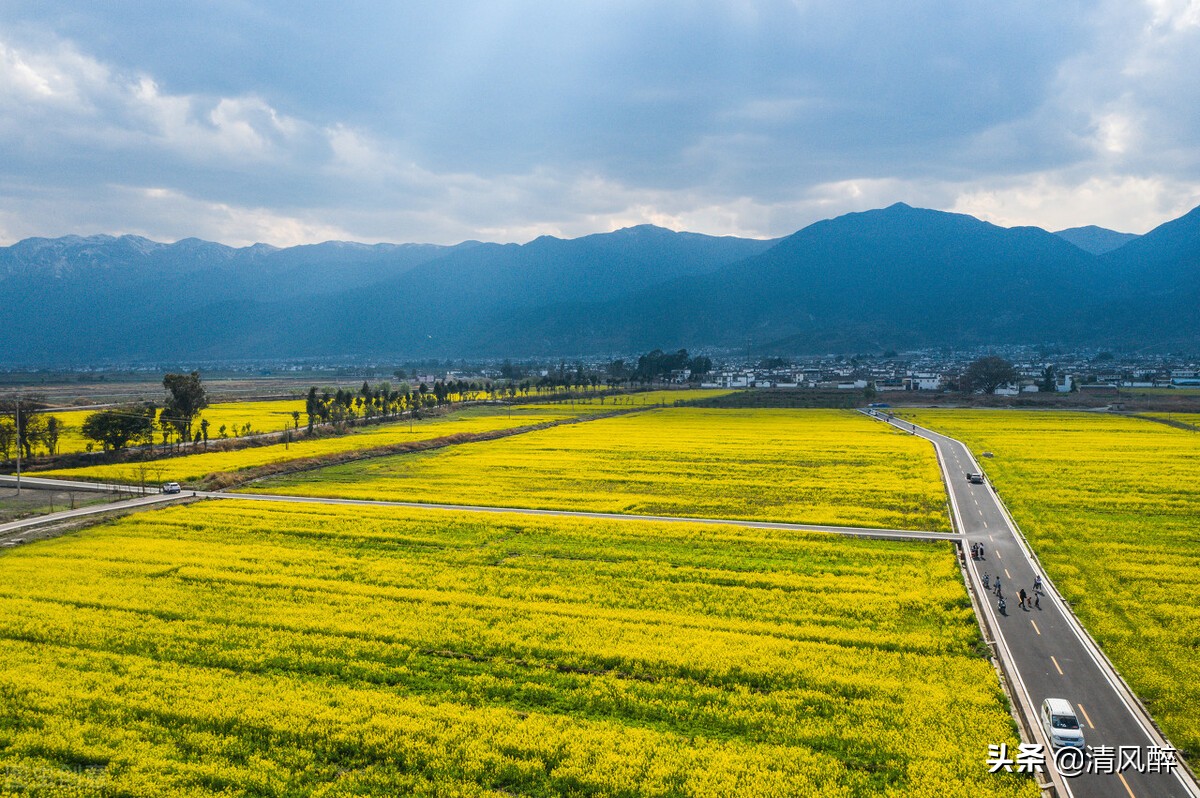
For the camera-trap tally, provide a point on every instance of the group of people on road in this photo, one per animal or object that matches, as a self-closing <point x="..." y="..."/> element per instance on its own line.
<point x="976" y="551"/>
<point x="1026" y="601"/>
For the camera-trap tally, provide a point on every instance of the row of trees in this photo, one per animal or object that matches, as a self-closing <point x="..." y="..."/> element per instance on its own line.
<point x="658" y="365"/>
<point x="117" y="428"/>
<point x="383" y="401"/>
<point x="25" y="426"/>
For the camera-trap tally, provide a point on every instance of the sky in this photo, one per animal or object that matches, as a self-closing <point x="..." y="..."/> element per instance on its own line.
<point x="297" y="122"/>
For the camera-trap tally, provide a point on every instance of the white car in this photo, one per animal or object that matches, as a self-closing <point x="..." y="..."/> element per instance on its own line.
<point x="171" y="487"/>
<point x="974" y="477"/>
<point x="1060" y="724"/>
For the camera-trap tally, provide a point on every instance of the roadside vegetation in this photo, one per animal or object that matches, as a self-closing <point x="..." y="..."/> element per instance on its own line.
<point x="296" y="650"/>
<point x="811" y="466"/>
<point x="1110" y="506"/>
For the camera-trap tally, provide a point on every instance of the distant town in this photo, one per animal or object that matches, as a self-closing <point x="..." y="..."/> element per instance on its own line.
<point x="1035" y="370"/>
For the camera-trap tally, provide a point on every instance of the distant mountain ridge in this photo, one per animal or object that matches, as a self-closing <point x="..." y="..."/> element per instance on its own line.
<point x="1096" y="240"/>
<point x="888" y="278"/>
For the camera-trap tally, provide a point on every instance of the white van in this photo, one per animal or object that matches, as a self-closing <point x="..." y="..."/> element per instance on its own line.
<point x="1060" y="724"/>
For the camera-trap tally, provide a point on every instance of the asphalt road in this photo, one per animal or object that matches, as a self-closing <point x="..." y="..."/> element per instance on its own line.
<point x="141" y="502"/>
<point x="63" y="484"/>
<point x="1048" y="654"/>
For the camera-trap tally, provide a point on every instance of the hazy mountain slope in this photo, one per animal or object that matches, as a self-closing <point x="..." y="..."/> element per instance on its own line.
<point x="113" y="298"/>
<point x="1096" y="240"/>
<point x="897" y="276"/>
<point x="890" y="278"/>
<point x="1155" y="287"/>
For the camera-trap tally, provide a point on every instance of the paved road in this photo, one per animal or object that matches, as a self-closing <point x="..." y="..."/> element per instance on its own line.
<point x="68" y="485"/>
<point x="141" y="502"/>
<point x="155" y="498"/>
<point x="1049" y="654"/>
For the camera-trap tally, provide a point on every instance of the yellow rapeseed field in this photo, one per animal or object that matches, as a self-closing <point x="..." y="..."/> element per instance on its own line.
<point x="271" y="649"/>
<point x="270" y="416"/>
<point x="194" y="467"/>
<point x="667" y="398"/>
<point x="1191" y="419"/>
<point x="811" y="466"/>
<point x="1111" y="507"/>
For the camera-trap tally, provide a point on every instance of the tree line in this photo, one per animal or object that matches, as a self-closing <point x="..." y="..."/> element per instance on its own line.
<point x="25" y="426"/>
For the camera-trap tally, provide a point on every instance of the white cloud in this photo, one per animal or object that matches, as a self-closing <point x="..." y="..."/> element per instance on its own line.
<point x="1175" y="14"/>
<point x="1128" y="204"/>
<point x="753" y="119"/>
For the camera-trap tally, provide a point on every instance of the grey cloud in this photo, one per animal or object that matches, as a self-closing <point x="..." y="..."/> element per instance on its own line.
<point x="440" y="122"/>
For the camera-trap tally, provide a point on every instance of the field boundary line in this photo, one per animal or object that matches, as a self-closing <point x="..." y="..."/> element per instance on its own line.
<point x="848" y="531"/>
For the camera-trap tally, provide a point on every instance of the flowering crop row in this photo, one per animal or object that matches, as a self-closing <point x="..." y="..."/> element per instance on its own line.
<point x="194" y="467"/>
<point x="305" y="649"/>
<point x="812" y="466"/>
<point x="270" y="416"/>
<point x="1110" y="505"/>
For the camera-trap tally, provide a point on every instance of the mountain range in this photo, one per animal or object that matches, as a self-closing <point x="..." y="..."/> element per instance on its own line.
<point x="897" y="277"/>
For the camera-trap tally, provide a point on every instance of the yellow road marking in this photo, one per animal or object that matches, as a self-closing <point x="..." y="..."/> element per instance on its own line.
<point x="1122" y="778"/>
<point x="1056" y="665"/>
<point x="1085" y="716"/>
<point x="1039" y="631"/>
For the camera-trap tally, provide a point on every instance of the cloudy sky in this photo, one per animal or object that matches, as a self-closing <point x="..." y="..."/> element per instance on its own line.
<point x="296" y="122"/>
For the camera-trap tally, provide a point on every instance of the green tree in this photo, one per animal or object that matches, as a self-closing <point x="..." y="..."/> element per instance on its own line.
<point x="114" y="429"/>
<point x="8" y="437"/>
<point x="1047" y="384"/>
<point x="987" y="374"/>
<point x="312" y="407"/>
<point x="186" y="397"/>
<point x="31" y="426"/>
<point x="50" y="436"/>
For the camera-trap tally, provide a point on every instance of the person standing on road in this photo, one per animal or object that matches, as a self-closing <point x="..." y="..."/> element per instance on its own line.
<point x="1021" y="595"/>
